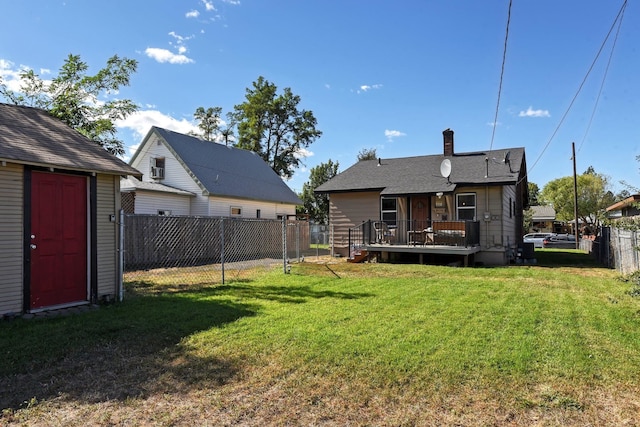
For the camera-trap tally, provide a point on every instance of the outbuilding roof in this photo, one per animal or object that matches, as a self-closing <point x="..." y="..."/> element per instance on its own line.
<point x="31" y="136"/>
<point x="225" y="171"/>
<point x="422" y="174"/>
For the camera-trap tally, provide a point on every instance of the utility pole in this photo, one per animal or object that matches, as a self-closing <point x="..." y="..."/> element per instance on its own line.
<point x="575" y="195"/>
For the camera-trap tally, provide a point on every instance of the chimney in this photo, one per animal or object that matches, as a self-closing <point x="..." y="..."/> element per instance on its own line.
<point x="448" y="142"/>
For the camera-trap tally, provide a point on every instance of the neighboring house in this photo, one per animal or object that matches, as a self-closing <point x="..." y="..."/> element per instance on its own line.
<point x="457" y="204"/>
<point x="625" y="208"/>
<point x="60" y="196"/>
<point x="543" y="219"/>
<point x="186" y="175"/>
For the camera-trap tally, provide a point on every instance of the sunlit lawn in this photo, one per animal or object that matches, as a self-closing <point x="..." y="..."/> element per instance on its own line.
<point x="336" y="344"/>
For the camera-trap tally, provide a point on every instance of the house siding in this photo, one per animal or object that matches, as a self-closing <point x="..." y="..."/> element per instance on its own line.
<point x="174" y="176"/>
<point x="150" y="202"/>
<point x="108" y="203"/>
<point x="11" y="238"/>
<point x="221" y="206"/>
<point x="348" y="210"/>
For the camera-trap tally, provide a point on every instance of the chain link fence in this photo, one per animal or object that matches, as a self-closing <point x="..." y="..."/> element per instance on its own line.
<point x="185" y="250"/>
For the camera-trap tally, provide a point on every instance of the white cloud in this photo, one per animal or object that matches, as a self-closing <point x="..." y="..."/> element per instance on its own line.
<point x="192" y="14"/>
<point x="303" y="153"/>
<point x="208" y="5"/>
<point x="141" y="121"/>
<point x="534" y="113"/>
<point x="164" y="55"/>
<point x="391" y="134"/>
<point x="234" y="2"/>
<point x="366" y="88"/>
<point x="180" y="39"/>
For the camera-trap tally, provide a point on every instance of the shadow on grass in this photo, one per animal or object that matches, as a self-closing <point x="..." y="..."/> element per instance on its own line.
<point x="566" y="258"/>
<point x="132" y="349"/>
<point x="118" y="352"/>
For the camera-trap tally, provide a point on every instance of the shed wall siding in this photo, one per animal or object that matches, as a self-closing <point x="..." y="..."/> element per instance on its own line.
<point x="347" y="210"/>
<point x="11" y="238"/>
<point x="108" y="203"/>
<point x="150" y="202"/>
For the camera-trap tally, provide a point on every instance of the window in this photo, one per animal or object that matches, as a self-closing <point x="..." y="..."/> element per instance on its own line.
<point x="466" y="206"/>
<point x="258" y="213"/>
<point x="157" y="168"/>
<point x="164" y="212"/>
<point x="389" y="213"/>
<point x="236" y="211"/>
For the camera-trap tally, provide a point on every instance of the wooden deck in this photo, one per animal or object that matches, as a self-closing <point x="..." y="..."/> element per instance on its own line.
<point x="464" y="252"/>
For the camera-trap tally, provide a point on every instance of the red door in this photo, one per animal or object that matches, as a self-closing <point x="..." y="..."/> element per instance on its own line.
<point x="58" y="239"/>
<point x="420" y="212"/>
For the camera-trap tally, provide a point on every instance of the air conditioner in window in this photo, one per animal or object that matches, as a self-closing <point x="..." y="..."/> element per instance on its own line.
<point x="157" y="173"/>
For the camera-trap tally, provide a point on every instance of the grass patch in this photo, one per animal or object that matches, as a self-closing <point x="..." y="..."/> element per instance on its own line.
<point x="340" y="344"/>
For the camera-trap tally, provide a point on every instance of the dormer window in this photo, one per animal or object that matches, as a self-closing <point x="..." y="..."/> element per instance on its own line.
<point x="157" y="168"/>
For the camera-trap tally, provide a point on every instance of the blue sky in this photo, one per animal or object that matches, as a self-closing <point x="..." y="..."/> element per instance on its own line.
<point x="389" y="75"/>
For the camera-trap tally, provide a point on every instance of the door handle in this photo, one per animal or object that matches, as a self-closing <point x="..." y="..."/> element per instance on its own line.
<point x="33" y="246"/>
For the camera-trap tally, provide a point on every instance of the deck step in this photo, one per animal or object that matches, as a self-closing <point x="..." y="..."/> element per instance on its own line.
<point x="359" y="256"/>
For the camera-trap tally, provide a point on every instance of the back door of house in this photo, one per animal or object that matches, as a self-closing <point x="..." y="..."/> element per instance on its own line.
<point x="420" y="212"/>
<point x="58" y="239"/>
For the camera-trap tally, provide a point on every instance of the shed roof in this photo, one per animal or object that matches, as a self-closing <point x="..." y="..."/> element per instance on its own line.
<point x="421" y="174"/>
<point x="225" y="171"/>
<point x="32" y="136"/>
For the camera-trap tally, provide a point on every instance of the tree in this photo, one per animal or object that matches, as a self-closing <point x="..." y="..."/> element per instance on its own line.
<point x="593" y="196"/>
<point x="534" y="193"/>
<point x="317" y="205"/>
<point x="274" y="127"/>
<point x="78" y="99"/>
<point x="367" y="154"/>
<point x="209" y="121"/>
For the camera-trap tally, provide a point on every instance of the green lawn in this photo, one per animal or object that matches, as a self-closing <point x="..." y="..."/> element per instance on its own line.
<point x="336" y="344"/>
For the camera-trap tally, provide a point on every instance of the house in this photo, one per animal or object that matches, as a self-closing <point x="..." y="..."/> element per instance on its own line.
<point x="60" y="197"/>
<point x="465" y="205"/>
<point x="543" y="220"/>
<point x="186" y="175"/>
<point x="625" y="208"/>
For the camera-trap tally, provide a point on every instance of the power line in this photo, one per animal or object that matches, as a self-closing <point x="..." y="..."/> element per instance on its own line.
<point x="566" y="113"/>
<point x="504" y="59"/>
<point x="604" y="78"/>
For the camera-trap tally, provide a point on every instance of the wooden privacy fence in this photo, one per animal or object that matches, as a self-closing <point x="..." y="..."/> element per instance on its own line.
<point x="152" y="241"/>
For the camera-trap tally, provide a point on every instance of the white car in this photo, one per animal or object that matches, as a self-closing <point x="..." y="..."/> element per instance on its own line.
<point x="536" y="238"/>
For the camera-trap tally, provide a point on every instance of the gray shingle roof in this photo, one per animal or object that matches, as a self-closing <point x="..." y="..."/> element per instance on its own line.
<point x="421" y="174"/>
<point x="227" y="171"/>
<point x="542" y="213"/>
<point x="31" y="136"/>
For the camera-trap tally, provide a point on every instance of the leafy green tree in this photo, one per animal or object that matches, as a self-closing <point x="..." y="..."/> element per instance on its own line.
<point x="534" y="193"/>
<point x="316" y="206"/>
<point x="78" y="99"/>
<point x="273" y="126"/>
<point x="208" y="122"/>
<point x="593" y="196"/>
<point x="367" y="154"/>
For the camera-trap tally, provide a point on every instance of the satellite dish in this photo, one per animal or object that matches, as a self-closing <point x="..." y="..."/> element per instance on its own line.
<point x="445" y="168"/>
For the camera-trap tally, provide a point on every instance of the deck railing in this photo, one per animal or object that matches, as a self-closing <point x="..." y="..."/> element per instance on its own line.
<point x="414" y="233"/>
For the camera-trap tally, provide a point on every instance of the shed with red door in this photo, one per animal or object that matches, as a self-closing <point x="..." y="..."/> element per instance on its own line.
<point x="59" y="205"/>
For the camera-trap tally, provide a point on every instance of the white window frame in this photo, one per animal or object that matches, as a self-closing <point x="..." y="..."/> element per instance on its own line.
<point x="157" y="168"/>
<point x="390" y="216"/>
<point x="237" y="214"/>
<point x="472" y="208"/>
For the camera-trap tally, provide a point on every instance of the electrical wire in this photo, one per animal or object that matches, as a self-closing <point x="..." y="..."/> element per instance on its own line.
<point x="504" y="59"/>
<point x="566" y="113"/>
<point x="604" y="78"/>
